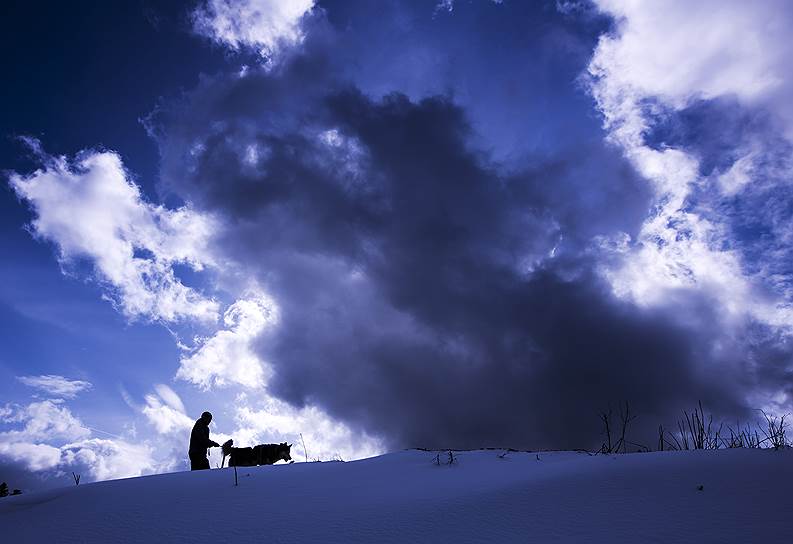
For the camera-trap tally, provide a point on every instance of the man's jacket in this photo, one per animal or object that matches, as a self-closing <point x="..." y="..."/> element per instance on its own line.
<point x="199" y="439"/>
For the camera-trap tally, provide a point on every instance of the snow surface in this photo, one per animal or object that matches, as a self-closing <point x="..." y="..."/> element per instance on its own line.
<point x="406" y="497"/>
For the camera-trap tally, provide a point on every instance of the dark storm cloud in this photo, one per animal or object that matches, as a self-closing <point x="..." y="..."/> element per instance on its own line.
<point x="430" y="293"/>
<point x="418" y="292"/>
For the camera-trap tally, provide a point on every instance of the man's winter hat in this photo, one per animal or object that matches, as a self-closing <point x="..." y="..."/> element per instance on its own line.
<point x="206" y="415"/>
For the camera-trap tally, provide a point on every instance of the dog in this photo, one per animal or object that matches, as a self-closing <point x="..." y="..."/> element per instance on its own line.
<point x="263" y="454"/>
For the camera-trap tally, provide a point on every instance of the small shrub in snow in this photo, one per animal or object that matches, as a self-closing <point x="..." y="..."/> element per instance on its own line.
<point x="694" y="432"/>
<point x="625" y="418"/>
<point x="703" y="436"/>
<point x="605" y="417"/>
<point x="4" y="490"/>
<point x="775" y="431"/>
<point x="450" y="460"/>
<point x="742" y="438"/>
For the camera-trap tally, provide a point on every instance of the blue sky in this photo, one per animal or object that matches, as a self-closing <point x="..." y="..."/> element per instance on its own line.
<point x="363" y="222"/>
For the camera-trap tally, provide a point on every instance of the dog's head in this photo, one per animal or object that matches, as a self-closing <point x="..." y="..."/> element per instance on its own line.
<point x="226" y="447"/>
<point x="284" y="451"/>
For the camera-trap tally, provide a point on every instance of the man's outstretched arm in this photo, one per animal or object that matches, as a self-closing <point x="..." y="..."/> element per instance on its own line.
<point x="210" y="443"/>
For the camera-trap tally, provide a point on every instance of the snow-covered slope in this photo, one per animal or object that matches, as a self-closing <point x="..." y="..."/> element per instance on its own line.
<point x="746" y="496"/>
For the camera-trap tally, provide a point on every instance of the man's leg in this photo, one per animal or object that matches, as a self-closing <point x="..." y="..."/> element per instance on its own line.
<point x="199" y="462"/>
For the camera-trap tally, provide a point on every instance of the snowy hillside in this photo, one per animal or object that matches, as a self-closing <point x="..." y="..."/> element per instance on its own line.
<point x="406" y="497"/>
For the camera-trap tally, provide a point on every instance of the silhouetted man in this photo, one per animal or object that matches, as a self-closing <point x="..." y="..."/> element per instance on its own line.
<point x="199" y="442"/>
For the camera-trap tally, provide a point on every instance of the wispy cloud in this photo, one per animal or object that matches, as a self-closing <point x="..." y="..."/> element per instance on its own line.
<point x="57" y="386"/>
<point x="165" y="410"/>
<point x="228" y="357"/>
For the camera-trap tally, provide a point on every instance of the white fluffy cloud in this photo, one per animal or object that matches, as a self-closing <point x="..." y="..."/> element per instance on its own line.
<point x="49" y="437"/>
<point x="43" y="421"/>
<point x="164" y="410"/>
<point x="676" y="52"/>
<point x="325" y="438"/>
<point x="91" y="209"/>
<point x="265" y="26"/>
<point x="35" y="457"/>
<point x="57" y="386"/>
<point x="108" y="459"/>
<point x="679" y="50"/>
<point x="228" y="357"/>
